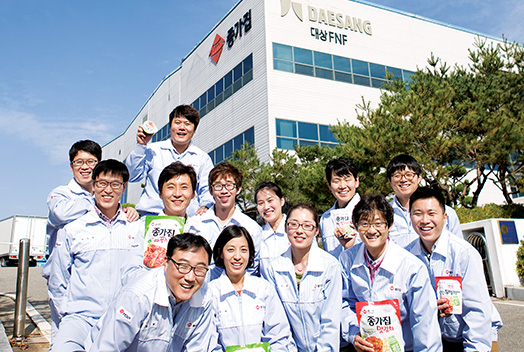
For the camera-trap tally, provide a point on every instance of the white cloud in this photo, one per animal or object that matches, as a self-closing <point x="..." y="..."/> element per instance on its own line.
<point x="53" y="136"/>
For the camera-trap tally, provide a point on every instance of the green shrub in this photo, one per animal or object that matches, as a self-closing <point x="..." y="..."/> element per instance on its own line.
<point x="490" y="211"/>
<point x="520" y="262"/>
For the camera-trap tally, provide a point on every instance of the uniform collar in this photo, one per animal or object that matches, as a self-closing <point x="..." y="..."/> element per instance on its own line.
<point x="168" y="145"/>
<point x="281" y="230"/>
<point x="390" y="262"/>
<point x="397" y="203"/>
<point x="351" y="204"/>
<point x="76" y="188"/>
<point x="162" y="291"/>
<point x="210" y="216"/>
<point x="93" y="215"/>
<point x="441" y="246"/>
<point x="314" y="262"/>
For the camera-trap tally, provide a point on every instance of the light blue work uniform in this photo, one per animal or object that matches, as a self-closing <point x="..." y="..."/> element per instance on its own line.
<point x="149" y="161"/>
<point x="65" y="203"/>
<point x="402" y="233"/>
<point x="255" y="315"/>
<point x="452" y="256"/>
<point x="274" y="242"/>
<point x="330" y="242"/>
<point x="89" y="259"/>
<point x="314" y="309"/>
<point x="144" y="317"/>
<point x="400" y="276"/>
<point x="207" y="226"/>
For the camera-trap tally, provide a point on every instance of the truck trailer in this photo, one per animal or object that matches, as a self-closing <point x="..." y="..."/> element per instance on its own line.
<point x="16" y="227"/>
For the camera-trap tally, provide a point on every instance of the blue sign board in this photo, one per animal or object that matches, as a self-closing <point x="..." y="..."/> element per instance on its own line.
<point x="508" y="232"/>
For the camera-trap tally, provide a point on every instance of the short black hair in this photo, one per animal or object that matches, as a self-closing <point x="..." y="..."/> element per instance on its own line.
<point x="340" y="167"/>
<point x="223" y="170"/>
<point x="177" y="169"/>
<point x="305" y="206"/>
<point x="111" y="167"/>
<point x="87" y="146"/>
<point x="368" y="205"/>
<point x="188" y="241"/>
<point x="402" y="162"/>
<point x="270" y="186"/>
<point x="187" y="111"/>
<point x="227" y="234"/>
<point x="426" y="193"/>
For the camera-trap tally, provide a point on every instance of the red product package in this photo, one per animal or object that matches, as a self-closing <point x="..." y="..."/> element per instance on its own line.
<point x="450" y="288"/>
<point x="380" y="324"/>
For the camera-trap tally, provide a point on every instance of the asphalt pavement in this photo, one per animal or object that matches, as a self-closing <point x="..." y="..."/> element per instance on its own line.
<point x="511" y="336"/>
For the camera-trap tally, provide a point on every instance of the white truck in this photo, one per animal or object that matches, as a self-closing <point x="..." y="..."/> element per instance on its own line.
<point x="16" y="227"/>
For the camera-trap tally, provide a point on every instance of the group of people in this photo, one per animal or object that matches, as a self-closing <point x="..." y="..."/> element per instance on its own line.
<point x="227" y="282"/>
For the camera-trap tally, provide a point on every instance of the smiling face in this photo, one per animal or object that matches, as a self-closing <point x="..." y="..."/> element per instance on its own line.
<point x="108" y="198"/>
<point x="404" y="183"/>
<point x="225" y="198"/>
<point x="176" y="195"/>
<point x="184" y="286"/>
<point x="343" y="188"/>
<point x="182" y="131"/>
<point x="428" y="220"/>
<point x="374" y="233"/>
<point x="269" y="206"/>
<point x="235" y="255"/>
<point x="299" y="237"/>
<point x="83" y="173"/>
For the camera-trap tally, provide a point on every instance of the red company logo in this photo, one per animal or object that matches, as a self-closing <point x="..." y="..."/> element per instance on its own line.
<point x="216" y="49"/>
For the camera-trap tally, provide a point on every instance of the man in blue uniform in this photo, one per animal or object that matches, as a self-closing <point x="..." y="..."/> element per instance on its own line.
<point x="163" y="308"/>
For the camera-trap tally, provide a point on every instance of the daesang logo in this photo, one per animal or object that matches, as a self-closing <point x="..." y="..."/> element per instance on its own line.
<point x="326" y="17"/>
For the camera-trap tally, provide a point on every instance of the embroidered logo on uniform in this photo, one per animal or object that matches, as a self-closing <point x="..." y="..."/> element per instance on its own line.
<point x="125" y="314"/>
<point x="257" y="307"/>
<point x="396" y="289"/>
<point x="447" y="271"/>
<point x="58" y="244"/>
<point x="135" y="245"/>
<point x="191" y="325"/>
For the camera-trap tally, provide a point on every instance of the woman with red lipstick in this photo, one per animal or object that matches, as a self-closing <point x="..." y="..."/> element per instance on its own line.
<point x="309" y="283"/>
<point x="247" y="308"/>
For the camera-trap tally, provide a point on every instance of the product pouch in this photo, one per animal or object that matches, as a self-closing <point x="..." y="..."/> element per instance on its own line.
<point x="158" y="231"/>
<point x="343" y="223"/>
<point x="450" y="288"/>
<point x="254" y="347"/>
<point x="380" y="324"/>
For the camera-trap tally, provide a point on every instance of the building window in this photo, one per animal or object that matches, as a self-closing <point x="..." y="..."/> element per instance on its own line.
<point x="225" y="151"/>
<point x="290" y="133"/>
<point x="343" y="69"/>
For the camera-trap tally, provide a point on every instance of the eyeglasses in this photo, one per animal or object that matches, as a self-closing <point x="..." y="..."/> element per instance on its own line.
<point x="184" y="268"/>
<point x="80" y="162"/>
<point x="408" y="175"/>
<point x="229" y="186"/>
<point x="292" y="225"/>
<point x="104" y="184"/>
<point x="379" y="226"/>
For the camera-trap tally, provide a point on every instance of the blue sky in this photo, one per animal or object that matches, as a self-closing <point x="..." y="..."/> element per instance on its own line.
<point x="72" y="70"/>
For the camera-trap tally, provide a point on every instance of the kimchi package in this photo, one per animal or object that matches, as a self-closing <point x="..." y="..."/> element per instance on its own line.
<point x="379" y="324"/>
<point x="343" y="223"/>
<point x="450" y="288"/>
<point x="254" y="347"/>
<point x="159" y="229"/>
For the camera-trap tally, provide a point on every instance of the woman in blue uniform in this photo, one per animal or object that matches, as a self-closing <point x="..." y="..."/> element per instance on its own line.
<point x="247" y="308"/>
<point x="309" y="283"/>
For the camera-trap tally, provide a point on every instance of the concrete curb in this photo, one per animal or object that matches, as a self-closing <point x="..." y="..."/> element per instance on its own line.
<point x="40" y="322"/>
<point x="4" y="341"/>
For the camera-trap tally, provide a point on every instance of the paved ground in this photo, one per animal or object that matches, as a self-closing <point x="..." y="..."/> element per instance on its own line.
<point x="511" y="336"/>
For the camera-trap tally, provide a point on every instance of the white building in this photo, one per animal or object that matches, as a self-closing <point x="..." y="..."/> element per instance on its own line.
<point x="288" y="70"/>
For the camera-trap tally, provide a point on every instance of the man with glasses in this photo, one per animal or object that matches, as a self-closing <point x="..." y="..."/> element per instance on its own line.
<point x="69" y="202"/>
<point x="163" y="307"/>
<point x="225" y="183"/>
<point x="90" y="256"/>
<point x="404" y="176"/>
<point x="147" y="161"/>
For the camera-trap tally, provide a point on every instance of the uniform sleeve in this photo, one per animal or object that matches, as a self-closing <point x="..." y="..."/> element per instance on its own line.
<point x="453" y="222"/>
<point x="204" y="197"/>
<point x="422" y="311"/>
<point x="476" y="310"/>
<point x="329" y="339"/>
<point x="137" y="163"/>
<point x="119" y="326"/>
<point x="349" y="322"/>
<point x="257" y="239"/>
<point x="205" y="336"/>
<point x="60" y="272"/>
<point x="63" y="209"/>
<point x="276" y="329"/>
